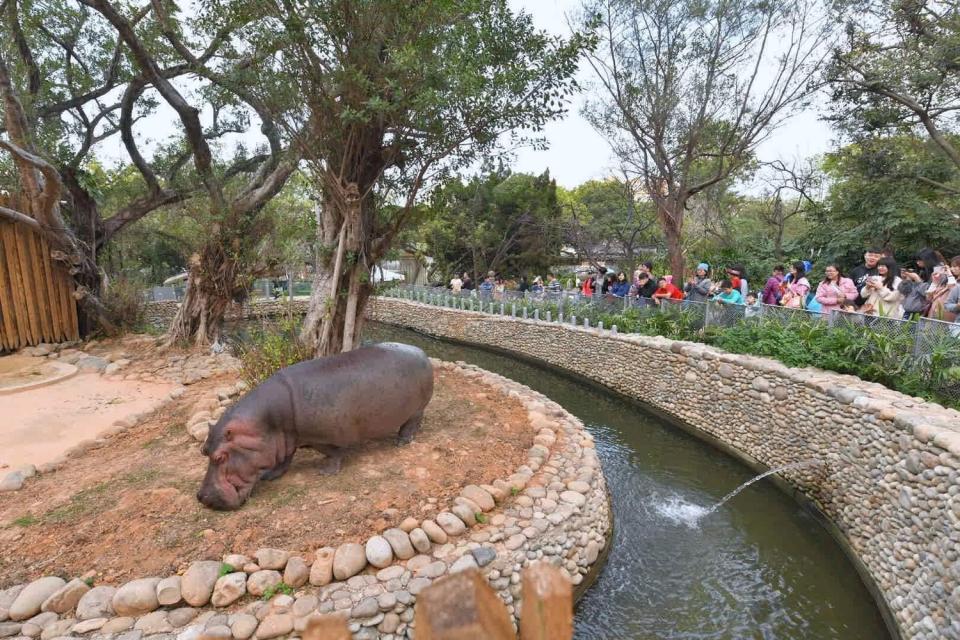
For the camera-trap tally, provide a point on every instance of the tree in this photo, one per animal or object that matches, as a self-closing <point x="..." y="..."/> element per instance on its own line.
<point x="389" y="97"/>
<point x="897" y="72"/>
<point x="604" y="219"/>
<point x="874" y="198"/>
<point x="689" y="88"/>
<point x="497" y="221"/>
<point x="216" y="54"/>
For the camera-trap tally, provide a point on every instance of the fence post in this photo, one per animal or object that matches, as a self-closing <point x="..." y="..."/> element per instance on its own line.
<point x="573" y="320"/>
<point x="524" y="312"/>
<point x="548" y="315"/>
<point x="560" y="317"/>
<point x="600" y="325"/>
<point x="513" y="309"/>
<point x="586" y="323"/>
<point x="547" y="604"/>
<point x="613" y="330"/>
<point x="536" y="314"/>
<point x="501" y="309"/>
<point x="461" y="605"/>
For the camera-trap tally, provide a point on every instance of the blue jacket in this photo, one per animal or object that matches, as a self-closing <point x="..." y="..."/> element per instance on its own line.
<point x="620" y="289"/>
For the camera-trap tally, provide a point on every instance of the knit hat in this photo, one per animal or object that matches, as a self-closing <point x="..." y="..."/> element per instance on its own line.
<point x="669" y="279"/>
<point x="704" y="266"/>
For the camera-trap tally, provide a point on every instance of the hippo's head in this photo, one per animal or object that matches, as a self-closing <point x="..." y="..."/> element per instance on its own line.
<point x="239" y="453"/>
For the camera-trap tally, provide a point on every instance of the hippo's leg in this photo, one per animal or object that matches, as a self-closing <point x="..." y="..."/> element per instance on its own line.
<point x="409" y="429"/>
<point x="277" y="471"/>
<point x="333" y="459"/>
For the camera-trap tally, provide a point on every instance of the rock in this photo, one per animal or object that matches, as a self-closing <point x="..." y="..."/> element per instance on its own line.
<point x="272" y="558"/>
<point x="168" y="591"/>
<point x="196" y="585"/>
<point x="304" y="605"/>
<point x="420" y="540"/>
<point x="390" y="623"/>
<point x="367" y="608"/>
<point x="182" y="616"/>
<point x="434" y="532"/>
<point x="400" y="543"/>
<point x="96" y="603"/>
<point x="260" y="581"/>
<point x="466" y="513"/>
<point x="236" y="560"/>
<point x="67" y="597"/>
<point x="117" y="625"/>
<point x="349" y="560"/>
<point x="29" y="601"/>
<point x="378" y="552"/>
<point x="8" y="629"/>
<point x="242" y="625"/>
<point x="578" y="486"/>
<point x="136" y="597"/>
<point x="12" y="481"/>
<point x="92" y="363"/>
<point x="451" y="524"/>
<point x="409" y="524"/>
<point x="483" y="499"/>
<point x="484" y="555"/>
<point x="574" y="498"/>
<point x="155" y="622"/>
<point x="515" y="541"/>
<point x="229" y="588"/>
<point x="57" y="628"/>
<point x="275" y="625"/>
<point x="418" y="584"/>
<point x="432" y="570"/>
<point x="464" y="562"/>
<point x="86" y="626"/>
<point x="321" y="573"/>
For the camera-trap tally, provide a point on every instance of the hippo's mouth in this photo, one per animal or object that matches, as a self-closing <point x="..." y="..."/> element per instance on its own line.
<point x="227" y="494"/>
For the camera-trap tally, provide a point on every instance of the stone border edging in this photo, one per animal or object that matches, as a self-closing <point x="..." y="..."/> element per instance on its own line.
<point x="554" y="507"/>
<point x="63" y="371"/>
<point x="892" y="486"/>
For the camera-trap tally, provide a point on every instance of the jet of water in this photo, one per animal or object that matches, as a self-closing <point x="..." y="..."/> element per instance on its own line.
<point x="786" y="467"/>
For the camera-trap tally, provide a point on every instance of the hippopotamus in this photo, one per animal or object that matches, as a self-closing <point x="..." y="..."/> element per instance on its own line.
<point x="326" y="404"/>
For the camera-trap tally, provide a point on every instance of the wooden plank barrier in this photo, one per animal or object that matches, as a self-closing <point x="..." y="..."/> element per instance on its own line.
<point x="462" y="606"/>
<point x="36" y="292"/>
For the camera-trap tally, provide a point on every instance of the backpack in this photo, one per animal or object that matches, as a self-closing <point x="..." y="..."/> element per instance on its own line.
<point x="914" y="297"/>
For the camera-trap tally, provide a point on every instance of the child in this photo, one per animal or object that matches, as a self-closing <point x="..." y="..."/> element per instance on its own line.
<point x="728" y="295"/>
<point x="753" y="306"/>
<point x="667" y="290"/>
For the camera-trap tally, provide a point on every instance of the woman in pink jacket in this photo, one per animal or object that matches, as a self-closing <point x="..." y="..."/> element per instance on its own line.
<point x="835" y="292"/>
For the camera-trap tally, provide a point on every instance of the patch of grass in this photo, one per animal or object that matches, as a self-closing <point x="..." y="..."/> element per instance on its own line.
<point x="286" y="495"/>
<point x="282" y="587"/>
<point x="481" y="517"/>
<point x="225" y="569"/>
<point x="26" y="521"/>
<point x="514" y="491"/>
<point x="88" y="582"/>
<point x="82" y="503"/>
<point x="139" y="478"/>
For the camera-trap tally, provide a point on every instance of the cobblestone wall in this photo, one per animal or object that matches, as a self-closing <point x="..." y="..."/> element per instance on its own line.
<point x="160" y="314"/>
<point x="891" y="484"/>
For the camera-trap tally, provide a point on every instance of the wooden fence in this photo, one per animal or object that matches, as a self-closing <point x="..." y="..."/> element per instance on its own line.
<point x="36" y="293"/>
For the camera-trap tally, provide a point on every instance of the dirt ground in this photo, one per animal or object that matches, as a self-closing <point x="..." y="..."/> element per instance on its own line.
<point x="40" y="424"/>
<point x="128" y="509"/>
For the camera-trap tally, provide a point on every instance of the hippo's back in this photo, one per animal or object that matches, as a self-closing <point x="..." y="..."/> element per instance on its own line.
<point x="359" y="395"/>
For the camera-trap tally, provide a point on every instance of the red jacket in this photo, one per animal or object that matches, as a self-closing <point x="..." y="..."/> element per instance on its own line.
<point x="669" y="291"/>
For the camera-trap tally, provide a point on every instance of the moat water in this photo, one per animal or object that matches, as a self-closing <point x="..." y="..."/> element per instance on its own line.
<point x="759" y="567"/>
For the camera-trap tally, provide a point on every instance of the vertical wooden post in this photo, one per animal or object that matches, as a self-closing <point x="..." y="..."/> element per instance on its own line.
<point x="547" y="612"/>
<point x="460" y="607"/>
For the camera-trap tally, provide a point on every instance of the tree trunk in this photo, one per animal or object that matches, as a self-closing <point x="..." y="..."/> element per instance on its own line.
<point x="670" y="214"/>
<point x="213" y="284"/>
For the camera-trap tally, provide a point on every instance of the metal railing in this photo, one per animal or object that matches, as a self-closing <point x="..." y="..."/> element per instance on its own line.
<point x="927" y="347"/>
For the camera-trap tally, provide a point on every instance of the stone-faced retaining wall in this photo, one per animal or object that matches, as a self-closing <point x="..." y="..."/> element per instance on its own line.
<point x="553" y="508"/>
<point x="159" y="314"/>
<point x="892" y="481"/>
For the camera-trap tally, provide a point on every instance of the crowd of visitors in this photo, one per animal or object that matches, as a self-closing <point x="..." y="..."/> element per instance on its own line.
<point x="927" y="287"/>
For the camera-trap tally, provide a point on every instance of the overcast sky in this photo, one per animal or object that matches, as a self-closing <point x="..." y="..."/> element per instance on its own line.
<point x="577" y="153"/>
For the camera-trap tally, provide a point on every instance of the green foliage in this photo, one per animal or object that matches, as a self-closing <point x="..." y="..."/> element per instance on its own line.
<point x="125" y="304"/>
<point x="276" y="589"/>
<point x="225" y="569"/>
<point x="26" y="521"/>
<point x="481" y="517"/>
<point x="497" y="221"/>
<point x="266" y="349"/>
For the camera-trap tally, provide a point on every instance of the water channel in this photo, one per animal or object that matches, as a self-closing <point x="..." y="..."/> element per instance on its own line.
<point x="760" y="567"/>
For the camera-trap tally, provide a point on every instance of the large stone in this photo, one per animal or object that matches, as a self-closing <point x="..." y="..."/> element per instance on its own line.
<point x="467" y="513"/>
<point x="117" y="625"/>
<point x="243" y="625"/>
<point x="92" y="363"/>
<point x="321" y="573"/>
<point x="29" y="601"/>
<point x="197" y="583"/>
<point x="155" y="622"/>
<point x="272" y="558"/>
<point x="182" y="616"/>
<point x="9" y="629"/>
<point x="169" y="591"/>
<point x="57" y="628"/>
<point x="434" y="532"/>
<point x="86" y="626"/>
<point x="260" y="581"/>
<point x="400" y="543"/>
<point x="349" y="560"/>
<point x="136" y="597"/>
<point x="274" y="626"/>
<point x="451" y="524"/>
<point x="229" y="589"/>
<point x="66" y="597"/>
<point x="366" y="608"/>
<point x="7" y="596"/>
<point x="483" y="499"/>
<point x="420" y="540"/>
<point x="12" y="481"/>
<point x="96" y="603"/>
<point x="378" y="552"/>
<point x="574" y="498"/>
<point x="296" y="572"/>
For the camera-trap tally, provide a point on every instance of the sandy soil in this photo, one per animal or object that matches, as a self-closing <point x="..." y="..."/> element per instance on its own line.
<point x="128" y="509"/>
<point x="40" y="424"/>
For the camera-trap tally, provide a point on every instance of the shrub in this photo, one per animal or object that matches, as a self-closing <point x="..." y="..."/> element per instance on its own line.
<point x="125" y="303"/>
<point x="268" y="348"/>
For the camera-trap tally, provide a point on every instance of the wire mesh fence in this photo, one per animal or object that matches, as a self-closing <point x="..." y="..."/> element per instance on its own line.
<point x="927" y="348"/>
